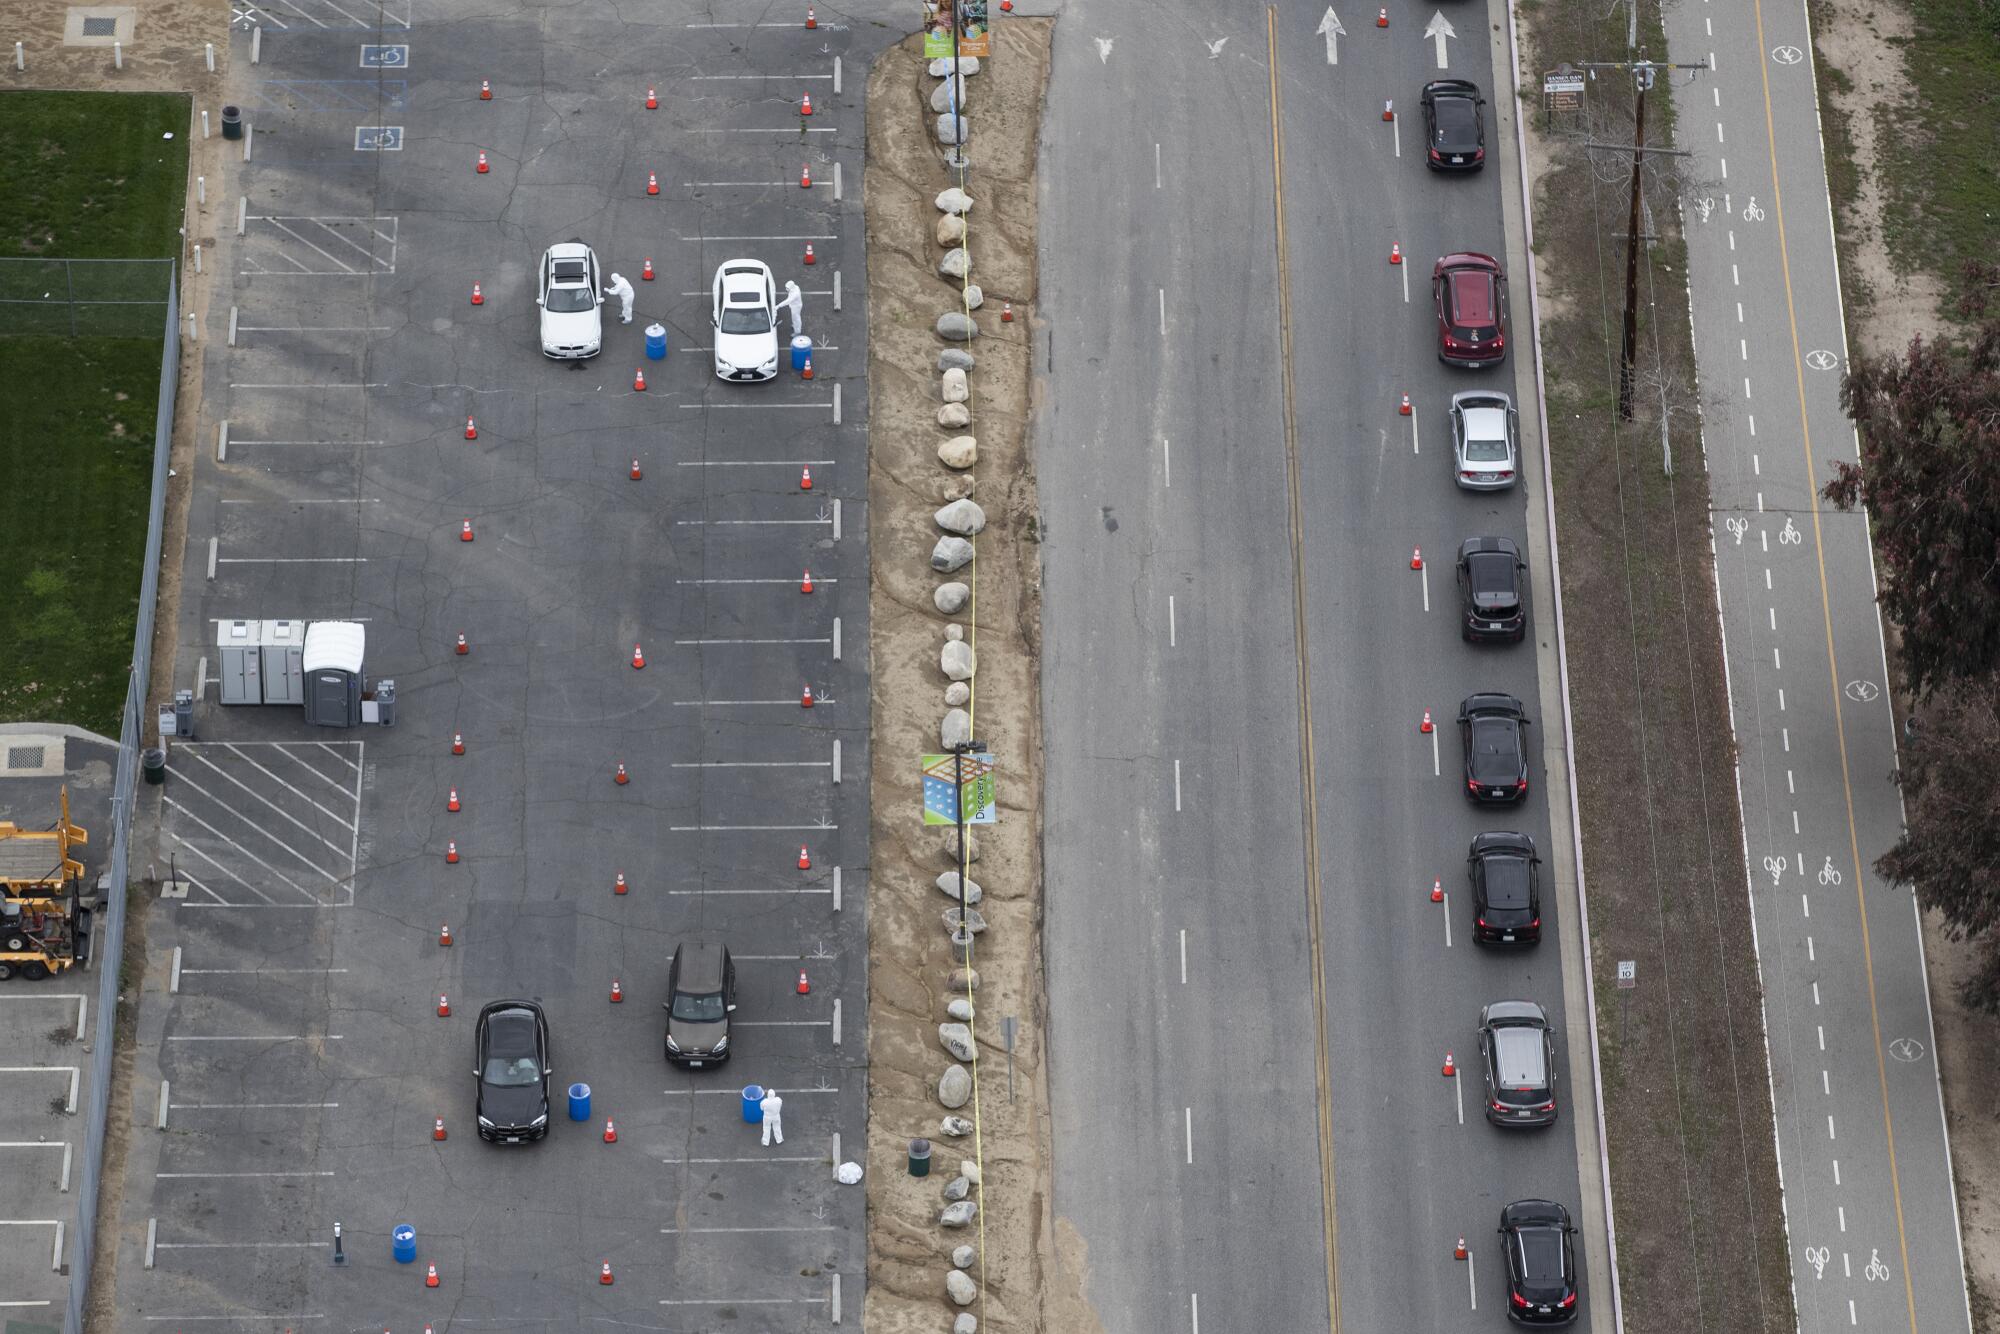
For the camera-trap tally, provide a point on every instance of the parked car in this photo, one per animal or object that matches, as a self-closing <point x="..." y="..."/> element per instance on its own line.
<point x="571" y="297"/>
<point x="511" y="1064"/>
<point x="1506" y="889"/>
<point x="1454" y="127"/>
<point x="1541" y="1268"/>
<point x="1485" y="446"/>
<point x="1492" y="729"/>
<point x="701" y="995"/>
<point x="744" y="311"/>
<point x="1519" y="1052"/>
<point x="1471" y="294"/>
<point x="1492" y="595"/>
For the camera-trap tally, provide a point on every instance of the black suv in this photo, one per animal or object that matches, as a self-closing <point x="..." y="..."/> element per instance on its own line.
<point x="1506" y="889"/>
<point x="511" y="1063"/>
<point x="1518" y="1049"/>
<point x="1492" y="601"/>
<point x="1541" y="1271"/>
<point x="701" y="993"/>
<point x="1492" y="729"/>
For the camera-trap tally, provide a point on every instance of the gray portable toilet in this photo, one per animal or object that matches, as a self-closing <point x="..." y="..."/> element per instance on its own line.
<point x="240" y="655"/>
<point x="333" y="677"/>
<point x="284" y="650"/>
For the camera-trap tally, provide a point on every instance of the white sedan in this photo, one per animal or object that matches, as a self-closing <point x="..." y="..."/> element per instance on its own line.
<point x="745" y="316"/>
<point x="571" y="296"/>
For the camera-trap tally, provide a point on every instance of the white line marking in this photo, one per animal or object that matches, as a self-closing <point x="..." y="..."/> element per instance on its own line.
<point x="1167" y="460"/>
<point x="1156" y="167"/>
<point x="203" y="1176"/>
<point x="1188" y="1131"/>
<point x="1177" y="785"/>
<point x="1163" y="312"/>
<point x="1172" y="634"/>
<point x="1183" y="956"/>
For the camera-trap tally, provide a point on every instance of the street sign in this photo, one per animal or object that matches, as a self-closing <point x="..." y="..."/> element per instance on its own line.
<point x="1628" y="974"/>
<point x="940" y="798"/>
<point x="1562" y="89"/>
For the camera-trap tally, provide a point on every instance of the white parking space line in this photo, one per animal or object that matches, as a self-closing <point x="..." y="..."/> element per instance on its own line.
<point x="796" y="1227"/>
<point x="789" y="583"/>
<point x="737" y="1093"/>
<point x="710" y="78"/>
<point x="748" y="828"/>
<point x="748" y="523"/>
<point x="823" y="404"/>
<point x="187" y="782"/>
<point x="819" y="702"/>
<point x="272" y="1317"/>
<point x="357" y="385"/>
<point x="316" y="328"/>
<point x="220" y="900"/>
<point x="752" y="764"/>
<point x="753" y="1158"/>
<point x="251" y="1106"/>
<point x="75" y="1075"/>
<point x="757" y="129"/>
<point x="208" y="1176"/>
<point x="254" y="1037"/>
<point x="753" y="463"/>
<point x="753" y="641"/>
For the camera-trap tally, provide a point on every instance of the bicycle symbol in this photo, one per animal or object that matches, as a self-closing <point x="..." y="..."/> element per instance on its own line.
<point x="1820" y="359"/>
<point x="1751" y="213"/>
<point x="1789" y="535"/>
<point x="1817" y="1256"/>
<point x="1861" y="692"/>
<point x="1787" y="55"/>
<point x="1776" y="866"/>
<point x="1737" y="526"/>
<point x="1703" y="207"/>
<point x="1876" y="1272"/>
<point x="1827" y="875"/>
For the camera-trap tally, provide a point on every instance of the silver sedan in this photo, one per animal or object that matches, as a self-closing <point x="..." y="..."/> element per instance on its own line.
<point x="1485" y="449"/>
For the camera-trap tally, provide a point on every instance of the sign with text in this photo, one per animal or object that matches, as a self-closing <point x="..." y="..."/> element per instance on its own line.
<point x="974" y="39"/>
<point x="942" y="795"/>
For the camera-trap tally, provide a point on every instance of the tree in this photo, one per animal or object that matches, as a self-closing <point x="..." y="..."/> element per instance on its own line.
<point x="1930" y="478"/>
<point x="1950" y="849"/>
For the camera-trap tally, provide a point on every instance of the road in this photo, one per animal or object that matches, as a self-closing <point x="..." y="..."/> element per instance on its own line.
<point x="294" y="1049"/>
<point x="1237" y="1091"/>
<point x="1860" y="1122"/>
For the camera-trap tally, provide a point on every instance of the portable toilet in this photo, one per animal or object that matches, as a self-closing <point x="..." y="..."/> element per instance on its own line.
<point x="240" y="656"/>
<point x="333" y="679"/>
<point x="284" y="650"/>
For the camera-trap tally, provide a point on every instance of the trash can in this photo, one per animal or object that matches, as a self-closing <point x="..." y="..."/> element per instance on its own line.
<point x="920" y="1157"/>
<point x="153" y="763"/>
<point x="802" y="350"/>
<point x="403" y="1244"/>
<point x="753" y="1103"/>
<point x="656" y="342"/>
<point x="232" y="122"/>
<point x="579" y="1102"/>
<point x="385" y="703"/>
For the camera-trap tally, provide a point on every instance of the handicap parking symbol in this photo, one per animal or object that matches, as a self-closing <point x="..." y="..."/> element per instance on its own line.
<point x="378" y="138"/>
<point x="385" y="57"/>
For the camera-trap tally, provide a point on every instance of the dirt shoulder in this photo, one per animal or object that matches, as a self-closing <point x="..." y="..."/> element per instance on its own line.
<point x="909" y="953"/>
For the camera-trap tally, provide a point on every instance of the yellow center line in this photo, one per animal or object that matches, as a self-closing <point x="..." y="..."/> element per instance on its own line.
<point x="1833" y="672"/>
<point x="1308" y="786"/>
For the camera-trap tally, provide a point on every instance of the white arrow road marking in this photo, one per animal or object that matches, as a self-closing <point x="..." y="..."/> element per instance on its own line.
<point x="1438" y="29"/>
<point x="1215" y="47"/>
<point x="1329" y="27"/>
<point x="1103" y="50"/>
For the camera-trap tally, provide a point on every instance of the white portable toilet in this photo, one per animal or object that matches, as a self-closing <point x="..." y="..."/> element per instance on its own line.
<point x="333" y="673"/>
<point x="240" y="657"/>
<point x="283" y="652"/>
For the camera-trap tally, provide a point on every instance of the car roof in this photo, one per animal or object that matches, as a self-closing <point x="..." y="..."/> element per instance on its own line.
<point x="1491" y="704"/>
<point x="701" y="966"/>
<point x="1515" y="1012"/>
<point x="1499" y="546"/>
<point x="1473" y="299"/>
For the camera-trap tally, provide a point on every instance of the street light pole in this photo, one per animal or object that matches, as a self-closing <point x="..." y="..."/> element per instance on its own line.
<point x="1628" y="350"/>
<point x="958" y="753"/>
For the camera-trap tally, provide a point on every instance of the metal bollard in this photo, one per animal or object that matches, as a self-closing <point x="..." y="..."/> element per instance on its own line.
<point x="256" y="43"/>
<point x="204" y="125"/>
<point x="249" y="133"/>
<point x="201" y="187"/>
<point x="197" y="263"/>
<point x="20" y="56"/>
<point x="211" y="56"/>
<point x="118" y="55"/>
<point x="194" y="335"/>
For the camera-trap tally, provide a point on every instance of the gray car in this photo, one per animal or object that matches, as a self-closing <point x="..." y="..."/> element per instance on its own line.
<point x="1518" y="1049"/>
<point x="701" y="995"/>
<point x="1485" y="448"/>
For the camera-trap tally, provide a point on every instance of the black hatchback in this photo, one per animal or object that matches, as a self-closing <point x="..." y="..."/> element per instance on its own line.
<point x="1493" y="731"/>
<point x="1454" y="127"/>
<point x="1541" y="1268"/>
<point x="511" y="1063"/>
<point x="1506" y="889"/>
<point x="1491" y="598"/>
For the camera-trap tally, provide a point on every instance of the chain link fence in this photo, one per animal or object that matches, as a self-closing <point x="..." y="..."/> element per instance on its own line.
<point x="68" y="298"/>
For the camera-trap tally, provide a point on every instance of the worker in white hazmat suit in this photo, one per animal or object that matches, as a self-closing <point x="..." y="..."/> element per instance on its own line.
<point x="794" y="304"/>
<point x="623" y="291"/>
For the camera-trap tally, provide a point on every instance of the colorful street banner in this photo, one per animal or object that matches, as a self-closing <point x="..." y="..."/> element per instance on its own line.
<point x="973" y="37"/>
<point x="940" y="798"/>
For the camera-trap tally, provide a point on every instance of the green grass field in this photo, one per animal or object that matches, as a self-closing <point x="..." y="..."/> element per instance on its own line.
<point x="90" y="176"/>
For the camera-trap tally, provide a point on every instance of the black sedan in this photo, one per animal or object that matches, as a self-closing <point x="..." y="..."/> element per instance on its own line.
<point x="1493" y="730"/>
<point x="1541" y="1269"/>
<point x="511" y="1054"/>
<point x="1506" y="889"/>
<point x="1491" y="597"/>
<point x="1454" y="127"/>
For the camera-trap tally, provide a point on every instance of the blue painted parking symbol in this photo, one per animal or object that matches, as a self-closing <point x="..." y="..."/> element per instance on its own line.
<point x="378" y="138"/>
<point x="385" y="57"/>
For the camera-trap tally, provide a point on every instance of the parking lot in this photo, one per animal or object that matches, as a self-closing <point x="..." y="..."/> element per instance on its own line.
<point x="361" y="415"/>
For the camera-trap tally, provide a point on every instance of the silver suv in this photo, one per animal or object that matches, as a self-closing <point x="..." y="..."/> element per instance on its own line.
<point x="1519" y="1052"/>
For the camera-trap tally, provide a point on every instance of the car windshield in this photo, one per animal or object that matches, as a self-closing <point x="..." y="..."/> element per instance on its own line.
<point x="512" y="1072"/>
<point x="745" y="320"/>
<point x="1506" y="882"/>
<point x="568" y="300"/>
<point x="702" y="1009"/>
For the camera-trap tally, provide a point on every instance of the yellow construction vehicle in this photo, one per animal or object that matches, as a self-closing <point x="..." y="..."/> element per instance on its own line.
<point x="44" y="911"/>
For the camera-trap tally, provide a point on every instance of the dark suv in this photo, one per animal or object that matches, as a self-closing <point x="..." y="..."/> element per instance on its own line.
<point x="1492" y="601"/>
<point x="511" y="1063"/>
<point x="701" y="994"/>
<point x="1519" y="1052"/>
<point x="1541" y="1270"/>
<point x="1506" y="889"/>
<point x="1493" y="730"/>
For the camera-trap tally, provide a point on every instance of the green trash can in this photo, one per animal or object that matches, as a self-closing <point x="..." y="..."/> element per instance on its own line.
<point x="920" y="1157"/>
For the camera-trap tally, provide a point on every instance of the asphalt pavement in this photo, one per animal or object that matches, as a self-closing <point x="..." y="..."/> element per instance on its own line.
<point x="1170" y="562"/>
<point x="293" y="1058"/>
<point x="1869" y="1200"/>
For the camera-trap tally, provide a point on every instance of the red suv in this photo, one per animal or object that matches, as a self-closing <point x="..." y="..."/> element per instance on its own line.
<point x="1471" y="296"/>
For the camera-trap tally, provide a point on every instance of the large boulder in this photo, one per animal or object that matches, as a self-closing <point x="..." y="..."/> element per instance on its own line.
<point x="958" y="1285"/>
<point x="966" y="66"/>
<point x="954" y="1087"/>
<point x="954" y="387"/>
<point x="957" y="695"/>
<point x="955" y="263"/>
<point x="951" y="598"/>
<point x="957" y="1039"/>
<point x="951" y="553"/>
<point x="954" y="200"/>
<point x="942" y="95"/>
<point x="952" y="131"/>
<point x="961" y="451"/>
<point x="955" y="1127"/>
<point x="950" y="230"/>
<point x="957" y="326"/>
<point x="947" y="884"/>
<point x="956" y="729"/>
<point x="955" y="356"/>
<point x="963" y="517"/>
<point x="955" y="416"/>
<point x="959" y="1213"/>
<point x="957" y="660"/>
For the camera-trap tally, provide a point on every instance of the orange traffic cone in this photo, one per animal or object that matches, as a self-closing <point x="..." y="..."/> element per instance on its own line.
<point x="451" y="802"/>
<point x="638" y="657"/>
<point x="477" y="299"/>
<point x="619" y="777"/>
<point x="1395" y="253"/>
<point x="1006" y="312"/>
<point x="1388" y="111"/>
<point x="1382" y="18"/>
<point x="1416" y="558"/>
<point x="1450" y="1068"/>
<point x="485" y="91"/>
<point x="618" y="886"/>
<point x="610" y="1131"/>
<point x="463" y="647"/>
<point x="806" y="582"/>
<point x="444" y="935"/>
<point x="437" y="1131"/>
<point x="431" y="1278"/>
<point x="458" y="743"/>
<point x="482" y="164"/>
<point x="639" y="380"/>
<point x="646" y="273"/>
<point x="806" y="700"/>
<point x="1404" y="410"/>
<point x="805" y="479"/>
<point x="812" y="19"/>
<point x="617" y="992"/>
<point x="806" y="105"/>
<point x="471" y="429"/>
<point x="809" y="253"/>
<point x="804" y="987"/>
<point x="806" y="372"/>
<point x="805" y="861"/>
<point x="652" y="100"/>
<point x="1437" y="890"/>
<point x="806" y="177"/>
<point x="451" y="852"/>
<point x="652" y="183"/>
<point x="635" y="470"/>
<point x="465" y="532"/>
<point x="1458" y="1251"/>
<point x="604" y="1274"/>
<point x="444" y="1006"/>
<point x="1425" y="725"/>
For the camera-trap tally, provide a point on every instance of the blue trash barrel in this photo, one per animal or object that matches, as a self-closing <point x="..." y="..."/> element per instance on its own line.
<point x="802" y="348"/>
<point x="579" y="1102"/>
<point x="656" y="342"/>
<point x="403" y="1244"/>
<point x="753" y="1100"/>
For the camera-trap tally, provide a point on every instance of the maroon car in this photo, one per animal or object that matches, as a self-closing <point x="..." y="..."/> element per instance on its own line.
<point x="1471" y="294"/>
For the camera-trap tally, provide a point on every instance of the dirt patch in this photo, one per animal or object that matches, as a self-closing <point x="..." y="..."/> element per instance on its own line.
<point x="1686" y="1086"/>
<point x="101" y="1302"/>
<point x="909" y="953"/>
<point x="1965" y="1039"/>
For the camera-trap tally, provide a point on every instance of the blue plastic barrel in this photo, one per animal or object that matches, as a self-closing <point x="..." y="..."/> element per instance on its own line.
<point x="579" y="1102"/>
<point x="753" y="1103"/>
<point x="656" y="342"/>
<point x="802" y="348"/>
<point x="403" y="1244"/>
